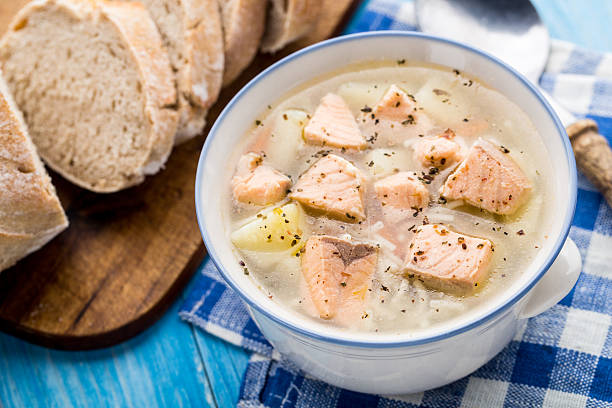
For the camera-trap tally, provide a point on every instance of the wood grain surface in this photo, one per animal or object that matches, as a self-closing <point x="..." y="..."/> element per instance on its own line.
<point x="126" y="255"/>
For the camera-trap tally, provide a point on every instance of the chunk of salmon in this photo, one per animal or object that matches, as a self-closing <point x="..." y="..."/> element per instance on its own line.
<point x="402" y="190"/>
<point x="395" y="118"/>
<point x="334" y="186"/>
<point x="256" y="183"/>
<point x="395" y="105"/>
<point x="334" y="125"/>
<point x="489" y="179"/>
<point x="446" y="260"/>
<point x="438" y="151"/>
<point x="337" y="273"/>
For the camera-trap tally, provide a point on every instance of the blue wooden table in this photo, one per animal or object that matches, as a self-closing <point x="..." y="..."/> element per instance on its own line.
<point x="172" y="363"/>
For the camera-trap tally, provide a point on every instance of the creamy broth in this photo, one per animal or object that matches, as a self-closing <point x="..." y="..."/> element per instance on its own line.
<point x="397" y="301"/>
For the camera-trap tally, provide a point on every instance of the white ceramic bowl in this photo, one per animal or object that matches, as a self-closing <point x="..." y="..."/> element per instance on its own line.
<point x="375" y="362"/>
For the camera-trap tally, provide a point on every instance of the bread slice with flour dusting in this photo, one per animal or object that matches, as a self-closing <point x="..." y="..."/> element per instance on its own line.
<point x="96" y="89"/>
<point x="192" y="33"/>
<point x="243" y="26"/>
<point x="30" y="212"/>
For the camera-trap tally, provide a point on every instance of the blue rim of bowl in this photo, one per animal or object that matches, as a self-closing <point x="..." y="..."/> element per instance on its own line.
<point x="208" y="241"/>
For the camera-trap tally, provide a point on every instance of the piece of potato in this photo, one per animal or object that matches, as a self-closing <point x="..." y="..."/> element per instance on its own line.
<point x="444" y="100"/>
<point x="386" y="161"/>
<point x="286" y="139"/>
<point x="274" y="230"/>
<point x="357" y="95"/>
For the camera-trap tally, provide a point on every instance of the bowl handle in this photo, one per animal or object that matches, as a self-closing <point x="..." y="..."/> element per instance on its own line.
<point x="556" y="283"/>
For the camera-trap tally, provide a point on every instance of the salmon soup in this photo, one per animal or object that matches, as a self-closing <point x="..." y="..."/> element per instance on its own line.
<point x="388" y="197"/>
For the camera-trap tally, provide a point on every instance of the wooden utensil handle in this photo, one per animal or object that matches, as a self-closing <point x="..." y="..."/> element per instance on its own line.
<point x="593" y="155"/>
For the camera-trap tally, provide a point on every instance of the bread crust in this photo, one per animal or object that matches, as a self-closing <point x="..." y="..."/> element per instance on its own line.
<point x="139" y="32"/>
<point x="199" y="82"/>
<point x="243" y="26"/>
<point x="30" y="212"/>
<point x="286" y="26"/>
<point x="134" y="25"/>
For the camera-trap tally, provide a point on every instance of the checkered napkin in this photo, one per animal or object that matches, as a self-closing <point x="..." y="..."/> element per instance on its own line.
<point x="563" y="358"/>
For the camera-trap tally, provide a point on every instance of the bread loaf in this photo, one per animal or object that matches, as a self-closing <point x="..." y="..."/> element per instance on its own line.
<point x="95" y="87"/>
<point x="30" y="212"/>
<point x="289" y="20"/>
<point x="191" y="32"/>
<point x="243" y="27"/>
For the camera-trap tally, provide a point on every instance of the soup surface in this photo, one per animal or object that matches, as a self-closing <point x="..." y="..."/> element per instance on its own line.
<point x="390" y="197"/>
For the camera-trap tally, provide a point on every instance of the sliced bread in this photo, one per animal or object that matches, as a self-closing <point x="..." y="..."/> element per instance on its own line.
<point x="95" y="87"/>
<point x="243" y="27"/>
<point x="289" y="20"/>
<point x="30" y="212"/>
<point x="192" y="33"/>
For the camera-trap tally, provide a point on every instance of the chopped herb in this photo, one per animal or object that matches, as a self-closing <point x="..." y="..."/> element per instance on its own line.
<point x="366" y="109"/>
<point x="257" y="122"/>
<point x="401" y="62"/>
<point x="409" y="121"/>
<point x="504" y="149"/>
<point x="343" y="283"/>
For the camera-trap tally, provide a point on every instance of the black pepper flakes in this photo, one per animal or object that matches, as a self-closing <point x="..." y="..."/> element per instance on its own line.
<point x="409" y="121"/>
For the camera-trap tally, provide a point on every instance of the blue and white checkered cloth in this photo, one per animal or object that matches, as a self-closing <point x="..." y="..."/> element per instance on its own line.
<point x="563" y="358"/>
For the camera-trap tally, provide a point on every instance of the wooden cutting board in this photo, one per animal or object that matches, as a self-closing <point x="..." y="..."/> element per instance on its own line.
<point x="125" y="256"/>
